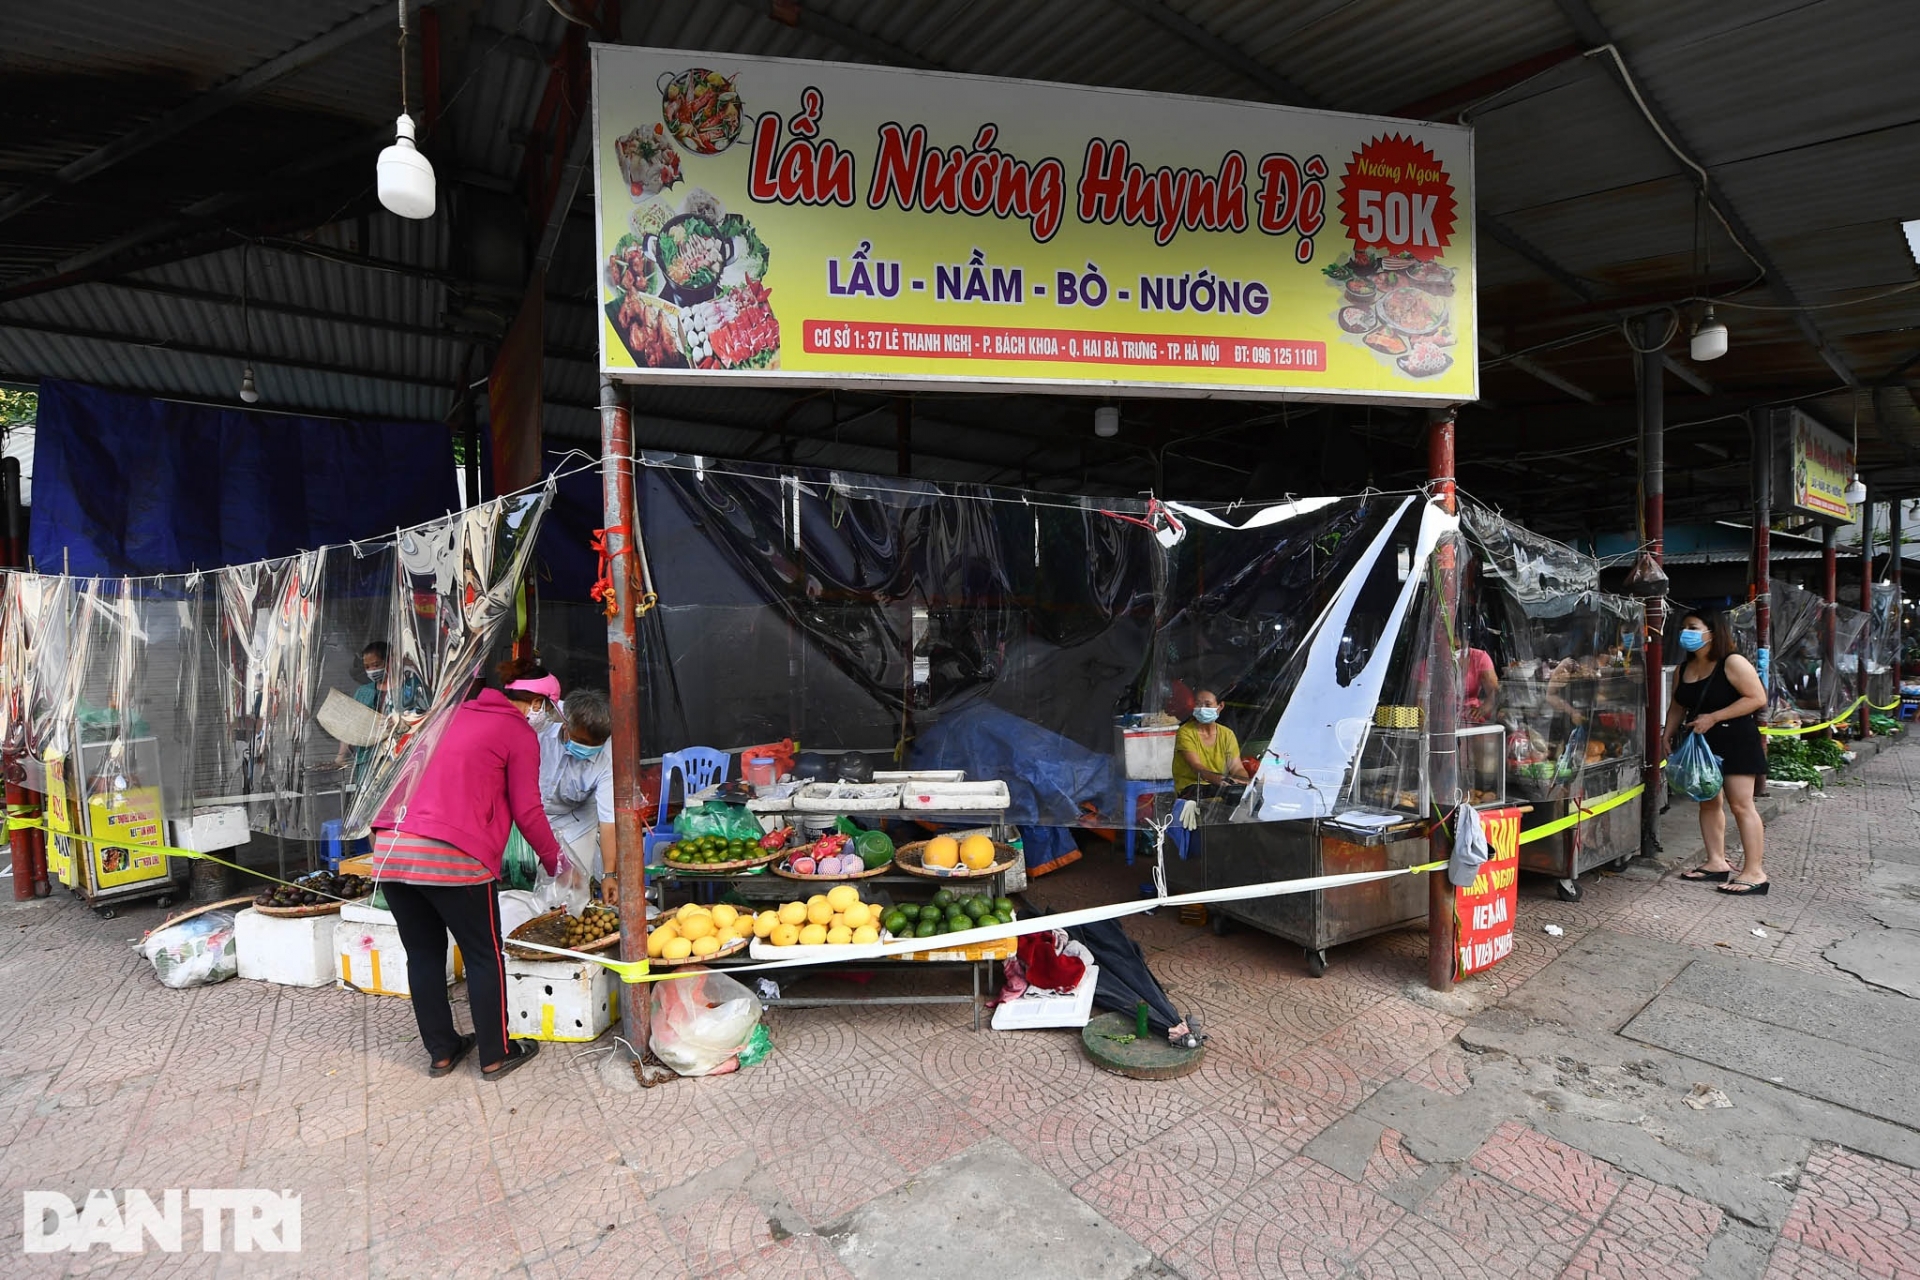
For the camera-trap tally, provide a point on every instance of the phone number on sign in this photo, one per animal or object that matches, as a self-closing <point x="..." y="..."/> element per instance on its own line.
<point x="971" y="342"/>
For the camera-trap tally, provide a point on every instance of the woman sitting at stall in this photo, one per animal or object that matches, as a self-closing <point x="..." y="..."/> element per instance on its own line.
<point x="1205" y="752"/>
<point x="437" y="857"/>
<point x="1717" y="691"/>
<point x="576" y="784"/>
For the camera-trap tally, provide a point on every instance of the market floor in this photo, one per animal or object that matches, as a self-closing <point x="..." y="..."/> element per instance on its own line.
<point x="1529" y="1123"/>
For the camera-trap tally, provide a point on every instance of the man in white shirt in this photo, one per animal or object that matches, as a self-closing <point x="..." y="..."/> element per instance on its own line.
<point x="576" y="782"/>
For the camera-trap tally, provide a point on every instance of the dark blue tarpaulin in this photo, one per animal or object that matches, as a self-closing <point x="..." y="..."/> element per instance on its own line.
<point x="125" y="485"/>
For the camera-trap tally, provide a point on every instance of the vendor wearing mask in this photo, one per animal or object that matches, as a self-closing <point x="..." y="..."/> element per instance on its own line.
<point x="576" y="784"/>
<point x="1205" y="752"/>
<point x="375" y="696"/>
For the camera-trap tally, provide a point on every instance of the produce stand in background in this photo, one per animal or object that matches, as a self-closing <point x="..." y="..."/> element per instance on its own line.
<point x="1589" y="727"/>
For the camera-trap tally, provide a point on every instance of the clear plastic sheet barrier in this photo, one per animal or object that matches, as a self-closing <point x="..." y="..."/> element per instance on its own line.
<point x="212" y="689"/>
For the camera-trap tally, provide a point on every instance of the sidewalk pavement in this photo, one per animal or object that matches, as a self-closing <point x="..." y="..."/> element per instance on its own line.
<point x="1530" y="1122"/>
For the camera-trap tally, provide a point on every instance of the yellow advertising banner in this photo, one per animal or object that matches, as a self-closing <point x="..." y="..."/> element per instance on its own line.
<point x="132" y="819"/>
<point x="1822" y="464"/>
<point x="765" y="220"/>
<point x="60" y="863"/>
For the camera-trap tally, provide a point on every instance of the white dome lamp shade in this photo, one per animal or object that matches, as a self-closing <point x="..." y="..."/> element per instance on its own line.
<point x="406" y="176"/>
<point x="1709" y="338"/>
<point x="1106" y="421"/>
<point x="1856" y="491"/>
<point x="249" y="393"/>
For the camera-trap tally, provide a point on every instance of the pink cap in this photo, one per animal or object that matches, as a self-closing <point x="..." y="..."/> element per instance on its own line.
<point x="547" y="686"/>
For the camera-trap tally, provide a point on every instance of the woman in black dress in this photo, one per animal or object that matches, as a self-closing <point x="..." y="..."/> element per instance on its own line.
<point x="1718" y="692"/>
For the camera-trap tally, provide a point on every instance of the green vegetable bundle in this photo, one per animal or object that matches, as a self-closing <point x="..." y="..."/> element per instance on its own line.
<point x="1827" y="751"/>
<point x="1883" y="724"/>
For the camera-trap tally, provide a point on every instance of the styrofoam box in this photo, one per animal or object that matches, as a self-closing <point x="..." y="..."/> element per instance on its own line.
<point x="293" y="953"/>
<point x="1032" y="1012"/>
<point x="211" y="830"/>
<point x="949" y="797"/>
<point x="563" y="1000"/>
<point x="1148" y="753"/>
<point x="372" y="960"/>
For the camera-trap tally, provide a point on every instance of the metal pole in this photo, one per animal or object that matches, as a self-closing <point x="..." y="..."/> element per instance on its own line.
<point x="1830" y="632"/>
<point x="1653" y="490"/>
<point x="1866" y="603"/>
<point x="1443" y="704"/>
<point x="623" y="682"/>
<point x="1894" y="608"/>
<point x="16" y="522"/>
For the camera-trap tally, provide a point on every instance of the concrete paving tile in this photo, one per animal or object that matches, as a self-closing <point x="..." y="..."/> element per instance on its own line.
<point x="717" y="1230"/>
<point x="916" y="1138"/>
<point x="1663" y="1221"/>
<point x="473" y="1244"/>
<point x="1164" y="1188"/>
<point x="1551" y="1171"/>
<point x="1606" y="1256"/>
<point x="1078" y="1137"/>
<point x="1505" y="1228"/>
<point x="803" y="1257"/>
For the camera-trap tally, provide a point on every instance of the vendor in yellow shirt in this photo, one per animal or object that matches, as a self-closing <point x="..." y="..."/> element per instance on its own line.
<point x="1205" y="752"/>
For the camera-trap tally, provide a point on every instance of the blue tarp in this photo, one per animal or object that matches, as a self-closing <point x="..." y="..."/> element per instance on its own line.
<point x="125" y="485"/>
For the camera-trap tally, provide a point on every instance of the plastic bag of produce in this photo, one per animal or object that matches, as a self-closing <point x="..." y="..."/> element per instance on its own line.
<point x="700" y="1024"/>
<point x="874" y="847"/>
<point x="728" y="821"/>
<point x="519" y="866"/>
<point x="572" y="889"/>
<point x="194" y="953"/>
<point x="1693" y="770"/>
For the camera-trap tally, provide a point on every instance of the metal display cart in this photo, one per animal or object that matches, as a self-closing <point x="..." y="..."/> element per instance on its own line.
<point x="1576" y="743"/>
<point x="116" y="801"/>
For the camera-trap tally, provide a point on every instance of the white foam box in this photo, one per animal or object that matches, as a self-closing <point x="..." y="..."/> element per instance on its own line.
<point x="1147" y="753"/>
<point x="367" y="949"/>
<point x="211" y="830"/>
<point x="562" y="1000"/>
<point x="294" y="953"/>
<point x="1033" y="1013"/>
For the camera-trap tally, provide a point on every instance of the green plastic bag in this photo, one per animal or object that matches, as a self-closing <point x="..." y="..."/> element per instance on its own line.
<point x="874" y="847"/>
<point x="728" y="821"/>
<point x="519" y="865"/>
<point x="759" y="1045"/>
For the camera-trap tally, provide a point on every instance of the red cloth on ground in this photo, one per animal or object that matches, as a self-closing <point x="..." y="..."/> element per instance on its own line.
<point x="1045" y="967"/>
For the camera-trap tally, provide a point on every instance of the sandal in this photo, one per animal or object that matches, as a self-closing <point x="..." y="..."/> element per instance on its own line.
<point x="1745" y="888"/>
<point x="1701" y="873"/>
<point x="518" y="1054"/>
<point x="436" y="1070"/>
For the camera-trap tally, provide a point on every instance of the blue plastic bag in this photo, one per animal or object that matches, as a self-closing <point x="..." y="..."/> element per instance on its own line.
<point x="1693" y="770"/>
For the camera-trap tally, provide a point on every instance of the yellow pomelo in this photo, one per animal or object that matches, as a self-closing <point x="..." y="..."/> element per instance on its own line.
<point x="941" y="851"/>
<point x="842" y="896"/>
<point x="677" y="949"/>
<point x="977" y="852"/>
<point x="813" y="935"/>
<point x="793" y="913"/>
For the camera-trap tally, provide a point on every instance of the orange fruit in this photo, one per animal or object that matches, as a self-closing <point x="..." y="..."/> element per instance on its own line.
<point x="977" y="852"/>
<point x="793" y="913"/>
<point x="694" y="928"/>
<point x="842" y="896"/>
<point x="676" y="949"/>
<point x="783" y="935"/>
<point x="858" y="915"/>
<point x="657" y="942"/>
<point x="866" y="933"/>
<point x="818" y="912"/>
<point x="941" y="851"/>
<point x="813" y="935"/>
<point x="764" y="924"/>
<point x="724" y="915"/>
<point x="705" y="946"/>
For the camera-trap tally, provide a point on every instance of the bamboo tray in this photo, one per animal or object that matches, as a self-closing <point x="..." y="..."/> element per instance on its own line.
<point x="533" y="931"/>
<point x="722" y="868"/>
<point x="791" y="854"/>
<point x="907" y="858"/>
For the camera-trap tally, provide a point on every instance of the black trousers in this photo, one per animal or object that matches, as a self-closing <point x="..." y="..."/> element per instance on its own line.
<point x="425" y="915"/>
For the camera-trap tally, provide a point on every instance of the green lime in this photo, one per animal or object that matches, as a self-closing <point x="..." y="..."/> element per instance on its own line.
<point x="1003" y="905"/>
<point x="911" y="910"/>
<point x="975" y="907"/>
<point x="1003" y="917"/>
<point x="943" y="897"/>
<point x="893" y="922"/>
<point x="925" y="929"/>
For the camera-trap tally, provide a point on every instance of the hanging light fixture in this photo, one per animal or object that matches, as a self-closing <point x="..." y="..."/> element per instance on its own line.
<point x="1709" y="338"/>
<point x="405" y="176"/>
<point x="1106" y="421"/>
<point x="1856" y="490"/>
<point x="248" y="392"/>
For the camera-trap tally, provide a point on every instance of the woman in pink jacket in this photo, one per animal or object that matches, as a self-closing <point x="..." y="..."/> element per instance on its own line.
<point x="437" y="857"/>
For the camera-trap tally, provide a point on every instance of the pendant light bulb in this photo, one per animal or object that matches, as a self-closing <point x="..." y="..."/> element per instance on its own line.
<point x="1856" y="492"/>
<point x="249" y="394"/>
<point x="1106" y="421"/>
<point x="1709" y="338"/>
<point x="405" y="176"/>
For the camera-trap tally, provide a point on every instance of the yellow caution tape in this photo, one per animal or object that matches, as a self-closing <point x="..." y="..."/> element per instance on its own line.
<point x="15" y="823"/>
<point x="1582" y="814"/>
<point x="1815" y="728"/>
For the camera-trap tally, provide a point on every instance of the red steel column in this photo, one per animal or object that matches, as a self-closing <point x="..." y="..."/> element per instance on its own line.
<point x="1443" y="705"/>
<point x="1895" y="566"/>
<point x="623" y="681"/>
<point x="1762" y="546"/>
<point x="1653" y="490"/>
<point x="1830" y="630"/>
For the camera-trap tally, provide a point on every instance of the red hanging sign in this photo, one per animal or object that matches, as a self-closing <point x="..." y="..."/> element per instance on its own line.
<point x="1484" y="910"/>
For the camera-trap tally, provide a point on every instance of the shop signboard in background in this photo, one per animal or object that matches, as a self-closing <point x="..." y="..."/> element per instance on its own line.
<point x="1819" y="465"/>
<point x="1484" y="910"/>
<point x="766" y="220"/>
<point x="128" y="824"/>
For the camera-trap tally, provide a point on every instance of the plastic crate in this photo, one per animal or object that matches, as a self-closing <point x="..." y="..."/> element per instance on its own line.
<point x="336" y="850"/>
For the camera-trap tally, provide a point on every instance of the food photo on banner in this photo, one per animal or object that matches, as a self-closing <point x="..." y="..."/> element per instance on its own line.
<point x="767" y="220"/>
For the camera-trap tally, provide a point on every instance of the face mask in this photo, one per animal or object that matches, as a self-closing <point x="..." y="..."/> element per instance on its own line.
<point x="1693" y="641"/>
<point x="376" y="674"/>
<point x="540" y="719"/>
<point x="1206" y="715"/>
<point x="581" y="751"/>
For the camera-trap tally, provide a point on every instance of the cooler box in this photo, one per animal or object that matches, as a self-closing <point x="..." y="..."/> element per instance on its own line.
<point x="1147" y="753"/>
<point x="563" y="1000"/>
<point x="366" y="944"/>
<point x="1032" y="1013"/>
<point x="293" y="953"/>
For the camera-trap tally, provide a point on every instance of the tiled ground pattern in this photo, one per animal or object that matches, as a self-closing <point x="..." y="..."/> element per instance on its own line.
<point x="109" y="1080"/>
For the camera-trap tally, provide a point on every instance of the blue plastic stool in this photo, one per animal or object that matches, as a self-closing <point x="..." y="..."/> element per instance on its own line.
<point x="330" y="841"/>
<point x="1153" y="787"/>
